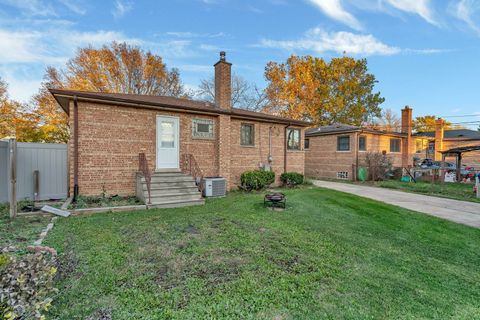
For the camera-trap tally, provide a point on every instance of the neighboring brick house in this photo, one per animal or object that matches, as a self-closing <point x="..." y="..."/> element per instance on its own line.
<point x="442" y="140"/>
<point x="334" y="151"/>
<point x="112" y="129"/>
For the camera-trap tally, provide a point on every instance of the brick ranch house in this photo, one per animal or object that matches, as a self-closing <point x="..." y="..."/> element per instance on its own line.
<point x="109" y="131"/>
<point x="334" y="151"/>
<point x="443" y="140"/>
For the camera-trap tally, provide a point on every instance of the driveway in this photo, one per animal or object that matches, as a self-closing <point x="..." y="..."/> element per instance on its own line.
<point x="463" y="212"/>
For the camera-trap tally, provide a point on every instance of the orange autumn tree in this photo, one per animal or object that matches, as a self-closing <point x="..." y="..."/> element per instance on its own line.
<point x="114" y="68"/>
<point x="309" y="88"/>
<point x="16" y="119"/>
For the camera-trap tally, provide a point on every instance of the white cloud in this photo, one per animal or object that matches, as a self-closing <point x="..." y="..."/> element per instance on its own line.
<point x="188" y="34"/>
<point x="75" y="6"/>
<point x="51" y="46"/>
<point x="465" y="10"/>
<point x="335" y="10"/>
<point x="419" y="7"/>
<point x="195" y="68"/>
<point x="320" y="41"/>
<point x="31" y="7"/>
<point x="121" y="8"/>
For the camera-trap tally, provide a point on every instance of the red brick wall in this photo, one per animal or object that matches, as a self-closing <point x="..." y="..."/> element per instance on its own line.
<point x="110" y="138"/>
<point x="322" y="160"/>
<point x="245" y="158"/>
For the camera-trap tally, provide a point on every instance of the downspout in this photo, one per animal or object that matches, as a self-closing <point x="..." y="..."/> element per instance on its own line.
<point x="285" y="149"/>
<point x="75" y="148"/>
<point x="357" y="137"/>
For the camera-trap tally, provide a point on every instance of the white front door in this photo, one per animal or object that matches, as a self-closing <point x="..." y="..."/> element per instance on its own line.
<point x="167" y="142"/>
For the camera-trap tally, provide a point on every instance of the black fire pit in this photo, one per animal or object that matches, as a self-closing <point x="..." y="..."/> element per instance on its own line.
<point x="275" y="200"/>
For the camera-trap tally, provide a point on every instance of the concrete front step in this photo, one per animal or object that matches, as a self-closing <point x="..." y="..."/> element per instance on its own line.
<point x="176" y="203"/>
<point x="170" y="189"/>
<point x="174" y="196"/>
<point x="170" y="179"/>
<point x="169" y="185"/>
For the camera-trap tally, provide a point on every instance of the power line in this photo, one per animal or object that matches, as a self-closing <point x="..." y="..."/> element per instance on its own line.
<point x="461" y="116"/>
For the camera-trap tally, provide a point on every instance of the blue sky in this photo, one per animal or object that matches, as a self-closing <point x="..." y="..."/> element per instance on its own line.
<point x="423" y="53"/>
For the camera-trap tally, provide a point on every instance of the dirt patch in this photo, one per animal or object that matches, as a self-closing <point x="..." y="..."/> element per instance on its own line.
<point x="101" y="314"/>
<point x="289" y="264"/>
<point x="68" y="261"/>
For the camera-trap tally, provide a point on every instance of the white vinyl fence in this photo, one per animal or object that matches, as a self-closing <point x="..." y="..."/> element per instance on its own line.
<point x="46" y="160"/>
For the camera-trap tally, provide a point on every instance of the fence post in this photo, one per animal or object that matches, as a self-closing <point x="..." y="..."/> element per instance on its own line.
<point x="477" y="183"/>
<point x="12" y="183"/>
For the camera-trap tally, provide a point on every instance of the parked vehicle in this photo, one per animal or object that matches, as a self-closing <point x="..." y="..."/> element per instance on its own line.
<point x="449" y="166"/>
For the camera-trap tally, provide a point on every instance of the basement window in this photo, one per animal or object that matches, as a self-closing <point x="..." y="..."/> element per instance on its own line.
<point x="394" y="145"/>
<point x="203" y="129"/>
<point x="342" y="175"/>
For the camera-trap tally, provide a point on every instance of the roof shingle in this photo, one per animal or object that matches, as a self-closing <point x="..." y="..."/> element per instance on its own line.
<point x="64" y="96"/>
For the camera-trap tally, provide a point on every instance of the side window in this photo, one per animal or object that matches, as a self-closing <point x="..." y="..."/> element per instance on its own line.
<point x="307" y="143"/>
<point x="343" y="143"/>
<point x="362" y="143"/>
<point x="293" y="139"/>
<point x="247" y="134"/>
<point x="395" y="145"/>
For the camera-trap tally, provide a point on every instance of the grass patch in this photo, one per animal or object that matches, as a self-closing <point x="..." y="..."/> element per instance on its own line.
<point x="328" y="255"/>
<point x="459" y="191"/>
<point x="21" y="231"/>
<point x="99" y="201"/>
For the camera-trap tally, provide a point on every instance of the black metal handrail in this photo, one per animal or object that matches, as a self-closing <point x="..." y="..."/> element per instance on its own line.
<point x="189" y="165"/>
<point x="143" y="168"/>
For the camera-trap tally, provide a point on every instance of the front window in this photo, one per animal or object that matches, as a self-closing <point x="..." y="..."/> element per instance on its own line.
<point x="247" y="134"/>
<point x="293" y="140"/>
<point x="343" y="143"/>
<point x="419" y="146"/>
<point x="362" y="143"/>
<point x="395" y="145"/>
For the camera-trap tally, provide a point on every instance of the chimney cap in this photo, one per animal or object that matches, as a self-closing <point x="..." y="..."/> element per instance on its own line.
<point x="222" y="58"/>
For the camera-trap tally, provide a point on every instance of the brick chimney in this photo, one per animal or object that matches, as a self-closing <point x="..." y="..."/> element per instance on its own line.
<point x="439" y="133"/>
<point x="407" y="147"/>
<point x="407" y="120"/>
<point x="223" y="83"/>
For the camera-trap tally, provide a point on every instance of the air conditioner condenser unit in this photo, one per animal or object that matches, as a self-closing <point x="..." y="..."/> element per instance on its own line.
<point x="214" y="186"/>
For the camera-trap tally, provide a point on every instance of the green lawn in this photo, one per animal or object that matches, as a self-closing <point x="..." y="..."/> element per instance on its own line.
<point x="21" y="231"/>
<point x="329" y="255"/>
<point x="459" y="191"/>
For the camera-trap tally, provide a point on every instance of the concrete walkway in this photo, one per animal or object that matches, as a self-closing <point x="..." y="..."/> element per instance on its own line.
<point x="463" y="212"/>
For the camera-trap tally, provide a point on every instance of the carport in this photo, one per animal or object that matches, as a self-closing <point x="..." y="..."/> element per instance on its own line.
<point x="457" y="153"/>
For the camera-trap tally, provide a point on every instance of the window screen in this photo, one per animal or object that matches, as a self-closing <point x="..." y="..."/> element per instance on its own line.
<point x="293" y="139"/>
<point x="247" y="134"/>
<point x="343" y="143"/>
<point x="394" y="145"/>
